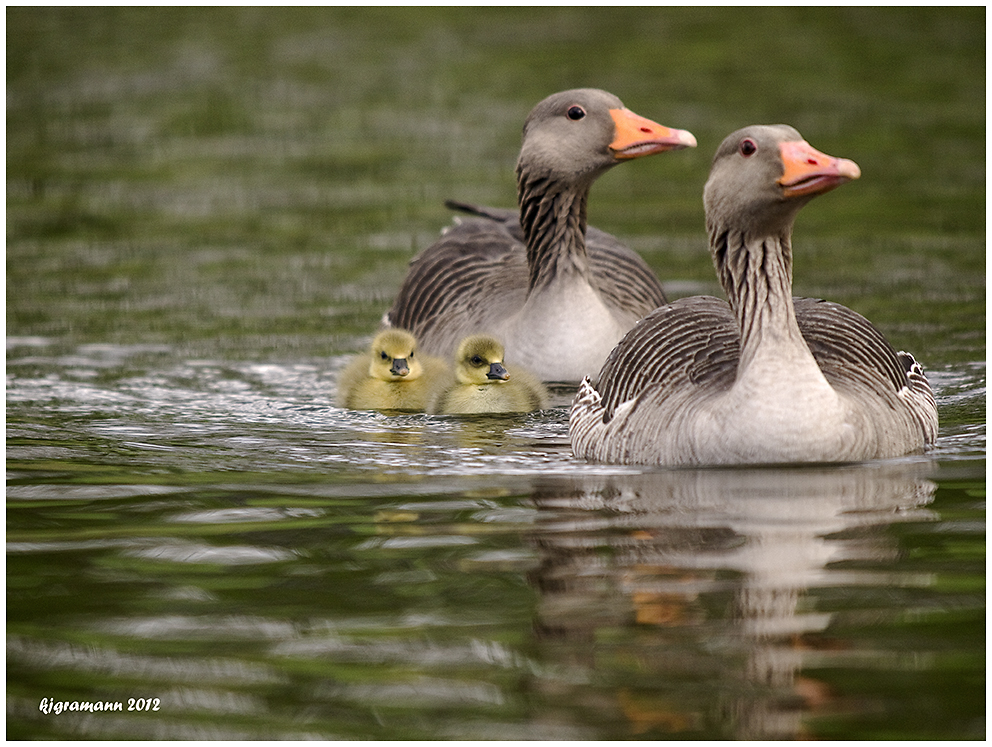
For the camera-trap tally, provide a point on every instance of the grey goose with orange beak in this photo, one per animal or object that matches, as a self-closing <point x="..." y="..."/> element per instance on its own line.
<point x="559" y="297"/>
<point x="765" y="378"/>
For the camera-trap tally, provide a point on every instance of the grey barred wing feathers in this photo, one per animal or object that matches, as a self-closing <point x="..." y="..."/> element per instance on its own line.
<point x="853" y="354"/>
<point x="847" y="347"/>
<point x="690" y="342"/>
<point x="476" y="270"/>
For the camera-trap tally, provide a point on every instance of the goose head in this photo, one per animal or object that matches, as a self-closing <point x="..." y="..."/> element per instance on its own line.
<point x="574" y="136"/>
<point x="394" y="356"/>
<point x="479" y="360"/>
<point x="762" y="175"/>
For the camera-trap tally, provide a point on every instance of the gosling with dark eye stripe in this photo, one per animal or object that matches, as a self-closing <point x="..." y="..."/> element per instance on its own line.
<point x="393" y="376"/>
<point x="484" y="384"/>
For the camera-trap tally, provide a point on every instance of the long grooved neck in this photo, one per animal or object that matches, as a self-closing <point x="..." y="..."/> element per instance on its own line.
<point x="756" y="274"/>
<point x="553" y="218"/>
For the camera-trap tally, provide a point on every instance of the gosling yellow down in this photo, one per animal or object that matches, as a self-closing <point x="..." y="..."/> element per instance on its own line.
<point x="483" y="384"/>
<point x="392" y="376"/>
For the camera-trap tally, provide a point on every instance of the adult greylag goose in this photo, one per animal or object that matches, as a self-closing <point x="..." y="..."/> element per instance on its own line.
<point x="765" y="378"/>
<point x="484" y="384"/>
<point x="392" y="376"/>
<point x="558" y="299"/>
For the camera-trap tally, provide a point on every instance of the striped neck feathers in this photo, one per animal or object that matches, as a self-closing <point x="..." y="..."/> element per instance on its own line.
<point x="756" y="274"/>
<point x="553" y="218"/>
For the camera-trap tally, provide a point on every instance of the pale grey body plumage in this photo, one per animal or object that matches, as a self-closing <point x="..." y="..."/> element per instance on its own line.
<point x="767" y="378"/>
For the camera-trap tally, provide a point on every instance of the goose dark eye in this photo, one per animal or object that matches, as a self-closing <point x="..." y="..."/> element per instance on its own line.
<point x="384" y="355"/>
<point x="576" y="112"/>
<point x="477" y="361"/>
<point x="748" y="147"/>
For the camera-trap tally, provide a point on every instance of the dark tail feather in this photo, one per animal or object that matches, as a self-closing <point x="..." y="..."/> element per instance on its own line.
<point x="498" y="214"/>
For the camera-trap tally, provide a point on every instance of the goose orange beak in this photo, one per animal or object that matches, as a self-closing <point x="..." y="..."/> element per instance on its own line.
<point x="810" y="172"/>
<point x="637" y="136"/>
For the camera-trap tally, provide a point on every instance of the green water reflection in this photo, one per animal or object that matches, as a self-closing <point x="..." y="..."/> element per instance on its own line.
<point x="699" y="604"/>
<point x="209" y="209"/>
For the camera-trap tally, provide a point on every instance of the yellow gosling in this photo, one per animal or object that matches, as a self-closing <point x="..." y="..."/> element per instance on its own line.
<point x="483" y="384"/>
<point x="392" y="376"/>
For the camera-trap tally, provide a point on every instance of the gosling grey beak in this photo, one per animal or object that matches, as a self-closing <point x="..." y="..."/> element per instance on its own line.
<point x="399" y="367"/>
<point x="496" y="371"/>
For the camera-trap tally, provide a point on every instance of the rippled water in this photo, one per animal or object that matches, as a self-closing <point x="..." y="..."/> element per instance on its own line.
<point x="203" y="227"/>
<point x="219" y="536"/>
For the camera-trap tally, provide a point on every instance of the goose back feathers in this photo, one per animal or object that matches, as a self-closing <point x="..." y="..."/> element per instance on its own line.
<point x="765" y="378"/>
<point x="559" y="296"/>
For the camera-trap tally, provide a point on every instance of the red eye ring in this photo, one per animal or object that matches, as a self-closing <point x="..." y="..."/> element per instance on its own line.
<point x="748" y="147"/>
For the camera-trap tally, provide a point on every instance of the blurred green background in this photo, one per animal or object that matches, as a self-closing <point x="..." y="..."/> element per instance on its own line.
<point x="257" y="179"/>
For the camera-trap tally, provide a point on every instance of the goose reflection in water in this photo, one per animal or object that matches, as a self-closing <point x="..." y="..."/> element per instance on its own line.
<point x="716" y="565"/>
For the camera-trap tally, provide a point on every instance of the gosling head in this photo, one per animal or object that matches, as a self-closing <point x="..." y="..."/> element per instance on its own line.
<point x="480" y="361"/>
<point x="394" y="356"/>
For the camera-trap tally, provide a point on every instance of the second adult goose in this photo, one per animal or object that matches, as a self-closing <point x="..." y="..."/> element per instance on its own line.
<point x="767" y="378"/>
<point x="558" y="301"/>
